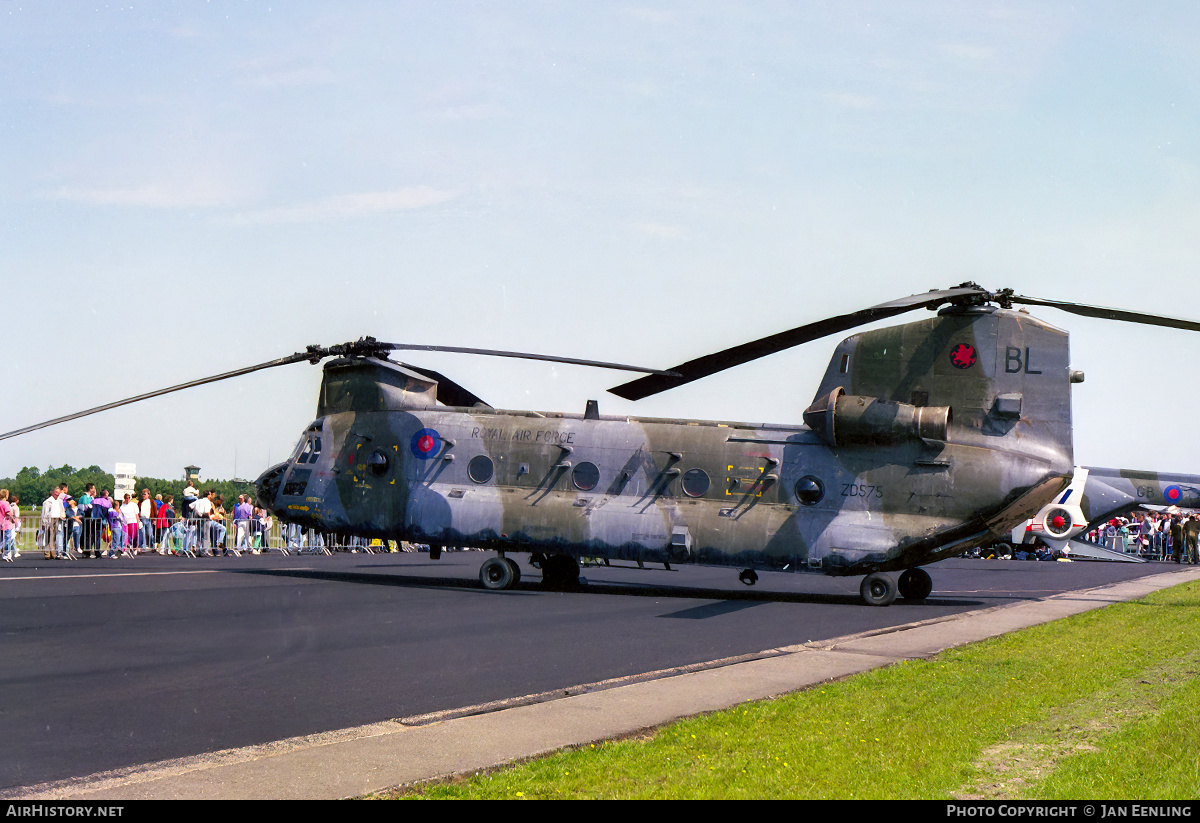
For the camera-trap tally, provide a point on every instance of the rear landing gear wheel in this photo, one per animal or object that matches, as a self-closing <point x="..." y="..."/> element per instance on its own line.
<point x="497" y="574"/>
<point x="560" y="571"/>
<point x="915" y="584"/>
<point x="748" y="576"/>
<point x="878" y="589"/>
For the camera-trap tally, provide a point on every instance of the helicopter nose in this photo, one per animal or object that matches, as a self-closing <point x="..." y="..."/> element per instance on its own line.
<point x="266" y="487"/>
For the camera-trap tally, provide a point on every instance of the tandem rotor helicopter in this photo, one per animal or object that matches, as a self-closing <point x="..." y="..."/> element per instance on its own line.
<point x="923" y="440"/>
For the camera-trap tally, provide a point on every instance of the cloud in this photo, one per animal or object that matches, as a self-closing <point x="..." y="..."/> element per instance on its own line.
<point x="342" y="206"/>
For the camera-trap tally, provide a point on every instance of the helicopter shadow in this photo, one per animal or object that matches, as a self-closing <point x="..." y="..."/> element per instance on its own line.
<point x="728" y="601"/>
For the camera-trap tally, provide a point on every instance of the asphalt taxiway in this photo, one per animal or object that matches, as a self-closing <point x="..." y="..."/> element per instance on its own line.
<point x="175" y="659"/>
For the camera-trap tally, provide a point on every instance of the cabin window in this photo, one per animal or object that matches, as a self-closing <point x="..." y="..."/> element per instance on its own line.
<point x="809" y="490"/>
<point x="480" y="469"/>
<point x="585" y="476"/>
<point x="695" y="482"/>
<point x="377" y="463"/>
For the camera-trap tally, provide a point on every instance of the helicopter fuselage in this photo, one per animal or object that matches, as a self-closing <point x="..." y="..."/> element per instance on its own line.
<point x="738" y="494"/>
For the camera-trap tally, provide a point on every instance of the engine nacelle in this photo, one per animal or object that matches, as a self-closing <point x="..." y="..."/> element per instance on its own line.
<point x="845" y="420"/>
<point x="1060" y="520"/>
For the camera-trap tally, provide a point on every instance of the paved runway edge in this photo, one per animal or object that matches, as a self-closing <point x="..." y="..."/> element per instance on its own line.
<point x="353" y="762"/>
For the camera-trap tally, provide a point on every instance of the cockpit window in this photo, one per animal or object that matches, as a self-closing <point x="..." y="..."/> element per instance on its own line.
<point x="296" y="482"/>
<point x="311" y="452"/>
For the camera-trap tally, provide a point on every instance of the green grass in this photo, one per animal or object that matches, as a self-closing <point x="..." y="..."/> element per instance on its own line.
<point x="1101" y="705"/>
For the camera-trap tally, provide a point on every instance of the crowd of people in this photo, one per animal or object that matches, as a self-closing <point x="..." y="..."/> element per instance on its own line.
<point x="1164" y="535"/>
<point x="95" y="525"/>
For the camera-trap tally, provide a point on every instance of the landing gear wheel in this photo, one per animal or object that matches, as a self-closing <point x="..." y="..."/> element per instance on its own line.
<point x="497" y="574"/>
<point x="560" y="571"/>
<point x="748" y="576"/>
<point x="516" y="570"/>
<point x="915" y="584"/>
<point x="878" y="589"/>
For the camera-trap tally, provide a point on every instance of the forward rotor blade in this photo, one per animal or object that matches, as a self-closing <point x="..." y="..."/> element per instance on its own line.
<point x="1103" y="313"/>
<point x="497" y="353"/>
<point x="282" y="361"/>
<point x="736" y="356"/>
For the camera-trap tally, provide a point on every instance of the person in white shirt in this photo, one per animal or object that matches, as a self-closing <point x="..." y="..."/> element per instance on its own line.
<point x="53" y="518"/>
<point x="129" y="516"/>
<point x="201" y="514"/>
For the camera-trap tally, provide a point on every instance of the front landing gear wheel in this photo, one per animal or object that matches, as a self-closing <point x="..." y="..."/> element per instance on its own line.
<point x="878" y="589"/>
<point x="915" y="584"/>
<point x="498" y="573"/>
<point x="516" y="570"/>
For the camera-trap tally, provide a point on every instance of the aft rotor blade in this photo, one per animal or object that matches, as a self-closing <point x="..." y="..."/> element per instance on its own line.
<point x="523" y="355"/>
<point x="1110" y="314"/>
<point x="282" y="361"/>
<point x="736" y="356"/>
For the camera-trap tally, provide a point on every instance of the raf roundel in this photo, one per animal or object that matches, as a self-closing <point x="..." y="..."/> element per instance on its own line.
<point x="963" y="356"/>
<point x="1172" y="493"/>
<point x="425" y="443"/>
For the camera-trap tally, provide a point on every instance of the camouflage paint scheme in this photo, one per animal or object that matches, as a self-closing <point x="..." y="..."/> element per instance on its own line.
<point x="859" y="488"/>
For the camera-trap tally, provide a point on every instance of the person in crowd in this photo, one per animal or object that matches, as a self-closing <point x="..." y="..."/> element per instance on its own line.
<point x="201" y="517"/>
<point x="97" y="523"/>
<point x="73" y="525"/>
<point x="1176" y="537"/>
<point x="1191" y="528"/>
<point x="50" y="529"/>
<point x="1145" y="533"/>
<point x="8" y="543"/>
<point x="163" y="520"/>
<point x="14" y="500"/>
<point x="130" y="512"/>
<point x="242" y="514"/>
<point x="116" y="530"/>
<point x="219" y="526"/>
<point x="85" y="513"/>
<point x="146" y="521"/>
<point x="190" y="496"/>
<point x="262" y="520"/>
<point x="177" y="536"/>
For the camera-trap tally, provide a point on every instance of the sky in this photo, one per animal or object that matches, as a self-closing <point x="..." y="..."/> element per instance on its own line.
<point x="188" y="188"/>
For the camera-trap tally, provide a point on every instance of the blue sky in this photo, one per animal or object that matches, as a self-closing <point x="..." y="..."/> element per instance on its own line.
<point x="187" y="188"/>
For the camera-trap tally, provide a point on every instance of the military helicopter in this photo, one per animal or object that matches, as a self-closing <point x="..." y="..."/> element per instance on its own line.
<point x="924" y="440"/>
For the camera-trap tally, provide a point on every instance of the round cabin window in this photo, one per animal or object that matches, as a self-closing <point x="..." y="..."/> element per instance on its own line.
<point x="585" y="476"/>
<point x="480" y="469"/>
<point x="809" y="490"/>
<point x="377" y="463"/>
<point x="695" y="482"/>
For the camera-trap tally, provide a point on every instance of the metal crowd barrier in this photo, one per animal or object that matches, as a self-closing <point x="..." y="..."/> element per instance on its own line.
<point x="193" y="537"/>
